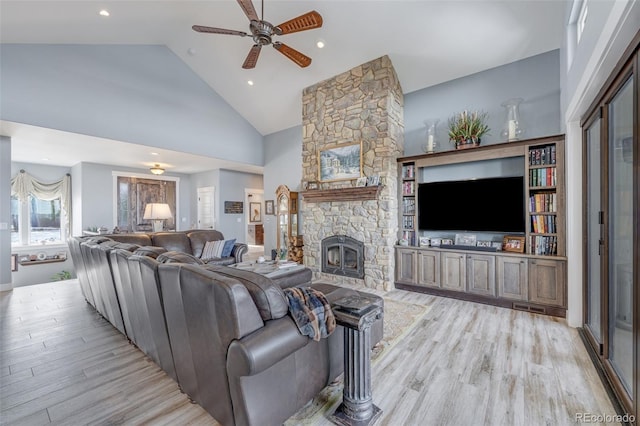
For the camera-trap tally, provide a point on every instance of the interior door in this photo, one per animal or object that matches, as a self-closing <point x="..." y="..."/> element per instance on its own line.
<point x="206" y="204"/>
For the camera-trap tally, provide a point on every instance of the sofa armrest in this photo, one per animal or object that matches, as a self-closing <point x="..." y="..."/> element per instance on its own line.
<point x="265" y="347"/>
<point x="239" y="249"/>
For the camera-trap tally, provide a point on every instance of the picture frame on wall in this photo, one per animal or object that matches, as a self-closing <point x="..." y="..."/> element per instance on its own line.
<point x="269" y="208"/>
<point x="342" y="162"/>
<point x="513" y="243"/>
<point x="255" y="212"/>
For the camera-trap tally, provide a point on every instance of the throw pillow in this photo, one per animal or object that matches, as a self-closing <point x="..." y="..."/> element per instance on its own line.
<point x="212" y="250"/>
<point x="228" y="247"/>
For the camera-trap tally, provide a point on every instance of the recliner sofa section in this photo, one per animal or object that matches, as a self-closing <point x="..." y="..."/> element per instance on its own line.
<point x="190" y="242"/>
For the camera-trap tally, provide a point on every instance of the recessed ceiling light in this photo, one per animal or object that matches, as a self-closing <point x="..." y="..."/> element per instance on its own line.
<point x="320" y="43"/>
<point x="250" y="82"/>
<point x="154" y="153"/>
<point x="104" y="12"/>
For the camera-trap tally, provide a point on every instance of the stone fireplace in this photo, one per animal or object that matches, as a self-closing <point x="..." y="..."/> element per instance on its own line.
<point x="342" y="255"/>
<point x="365" y="105"/>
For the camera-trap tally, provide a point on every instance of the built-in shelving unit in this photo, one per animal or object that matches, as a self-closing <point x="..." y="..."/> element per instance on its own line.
<point x="545" y="199"/>
<point x="533" y="280"/>
<point x="408" y="222"/>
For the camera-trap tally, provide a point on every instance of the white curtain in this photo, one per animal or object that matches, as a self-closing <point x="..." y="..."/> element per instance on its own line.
<point x="24" y="185"/>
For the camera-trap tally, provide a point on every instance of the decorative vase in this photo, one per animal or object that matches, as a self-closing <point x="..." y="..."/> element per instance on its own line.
<point x="512" y="130"/>
<point x="431" y="142"/>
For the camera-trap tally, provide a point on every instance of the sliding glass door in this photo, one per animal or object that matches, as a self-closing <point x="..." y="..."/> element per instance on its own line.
<point x="611" y="221"/>
<point x="620" y="234"/>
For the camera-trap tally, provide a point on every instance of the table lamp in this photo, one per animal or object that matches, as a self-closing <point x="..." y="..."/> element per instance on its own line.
<point x="157" y="212"/>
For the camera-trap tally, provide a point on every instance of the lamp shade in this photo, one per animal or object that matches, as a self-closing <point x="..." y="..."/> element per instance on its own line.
<point x="155" y="211"/>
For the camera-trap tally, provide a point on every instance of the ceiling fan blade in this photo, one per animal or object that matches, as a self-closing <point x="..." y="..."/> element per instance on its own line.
<point x="308" y="21"/>
<point x="248" y="9"/>
<point x="293" y="54"/>
<point x="202" y="29"/>
<point x="252" y="57"/>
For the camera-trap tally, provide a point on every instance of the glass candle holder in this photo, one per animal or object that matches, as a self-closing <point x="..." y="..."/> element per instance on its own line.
<point x="430" y="140"/>
<point x="512" y="130"/>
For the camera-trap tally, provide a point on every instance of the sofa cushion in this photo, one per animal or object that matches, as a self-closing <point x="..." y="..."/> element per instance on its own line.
<point x="172" y="241"/>
<point x="228" y="247"/>
<point x="199" y="238"/>
<point x="178" y="257"/>
<point x="268" y="296"/>
<point x="132" y="238"/>
<point x="212" y="250"/>
<point x="150" y="251"/>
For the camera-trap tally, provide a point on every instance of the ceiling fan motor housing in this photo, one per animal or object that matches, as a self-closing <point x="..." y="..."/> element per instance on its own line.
<point x="262" y="32"/>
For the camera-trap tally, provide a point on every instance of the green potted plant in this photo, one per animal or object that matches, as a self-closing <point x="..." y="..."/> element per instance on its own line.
<point x="466" y="129"/>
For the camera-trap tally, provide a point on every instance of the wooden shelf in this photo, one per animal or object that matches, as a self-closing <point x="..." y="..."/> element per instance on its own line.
<point x="40" y="262"/>
<point x="363" y="193"/>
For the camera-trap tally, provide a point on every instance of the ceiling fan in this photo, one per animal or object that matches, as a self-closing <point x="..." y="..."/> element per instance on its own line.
<point x="263" y="31"/>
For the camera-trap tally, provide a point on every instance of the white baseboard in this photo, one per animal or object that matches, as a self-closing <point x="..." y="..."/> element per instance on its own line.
<point x="6" y="287"/>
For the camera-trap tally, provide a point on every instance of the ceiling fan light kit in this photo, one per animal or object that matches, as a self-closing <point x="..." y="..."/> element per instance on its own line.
<point x="262" y="33"/>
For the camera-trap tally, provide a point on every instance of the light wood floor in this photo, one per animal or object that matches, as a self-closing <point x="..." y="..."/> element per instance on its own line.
<point x="464" y="364"/>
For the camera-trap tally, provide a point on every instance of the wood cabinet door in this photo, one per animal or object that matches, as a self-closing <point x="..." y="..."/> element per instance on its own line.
<point x="512" y="277"/>
<point x="481" y="274"/>
<point x="453" y="274"/>
<point x="406" y="266"/>
<point x="547" y="281"/>
<point x="428" y="268"/>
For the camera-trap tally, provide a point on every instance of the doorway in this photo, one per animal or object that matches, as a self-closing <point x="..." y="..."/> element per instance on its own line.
<point x="254" y="219"/>
<point x="206" y="208"/>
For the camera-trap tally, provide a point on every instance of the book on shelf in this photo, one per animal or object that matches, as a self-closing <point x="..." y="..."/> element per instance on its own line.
<point x="408" y="171"/>
<point x="408" y="188"/>
<point x="542" y="155"/>
<point x="408" y="206"/>
<point x="543" y="245"/>
<point x="410" y="236"/>
<point x="542" y="177"/>
<point x="407" y="222"/>
<point x="543" y="202"/>
<point x="543" y="224"/>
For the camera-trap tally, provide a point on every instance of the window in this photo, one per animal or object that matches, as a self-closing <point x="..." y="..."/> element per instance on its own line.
<point x="582" y="20"/>
<point x="36" y="221"/>
<point x="40" y="211"/>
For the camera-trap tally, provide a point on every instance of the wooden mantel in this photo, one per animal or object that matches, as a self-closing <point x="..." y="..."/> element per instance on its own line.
<point x="362" y="193"/>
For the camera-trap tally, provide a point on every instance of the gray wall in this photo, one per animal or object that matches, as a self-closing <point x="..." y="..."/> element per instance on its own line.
<point x="92" y="188"/>
<point x="535" y="79"/>
<point x="282" y="166"/>
<point x="232" y="188"/>
<point x="139" y="94"/>
<point x="5" y="212"/>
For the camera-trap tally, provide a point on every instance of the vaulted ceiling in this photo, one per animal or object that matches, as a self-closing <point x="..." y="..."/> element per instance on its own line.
<point x="429" y="42"/>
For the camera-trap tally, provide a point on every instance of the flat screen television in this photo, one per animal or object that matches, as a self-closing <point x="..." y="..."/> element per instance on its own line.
<point x="482" y="205"/>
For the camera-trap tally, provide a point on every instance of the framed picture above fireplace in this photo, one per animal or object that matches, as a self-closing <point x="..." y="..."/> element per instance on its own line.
<point x="341" y="162"/>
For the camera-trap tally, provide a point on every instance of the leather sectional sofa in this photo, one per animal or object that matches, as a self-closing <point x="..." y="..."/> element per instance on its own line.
<point x="224" y="335"/>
